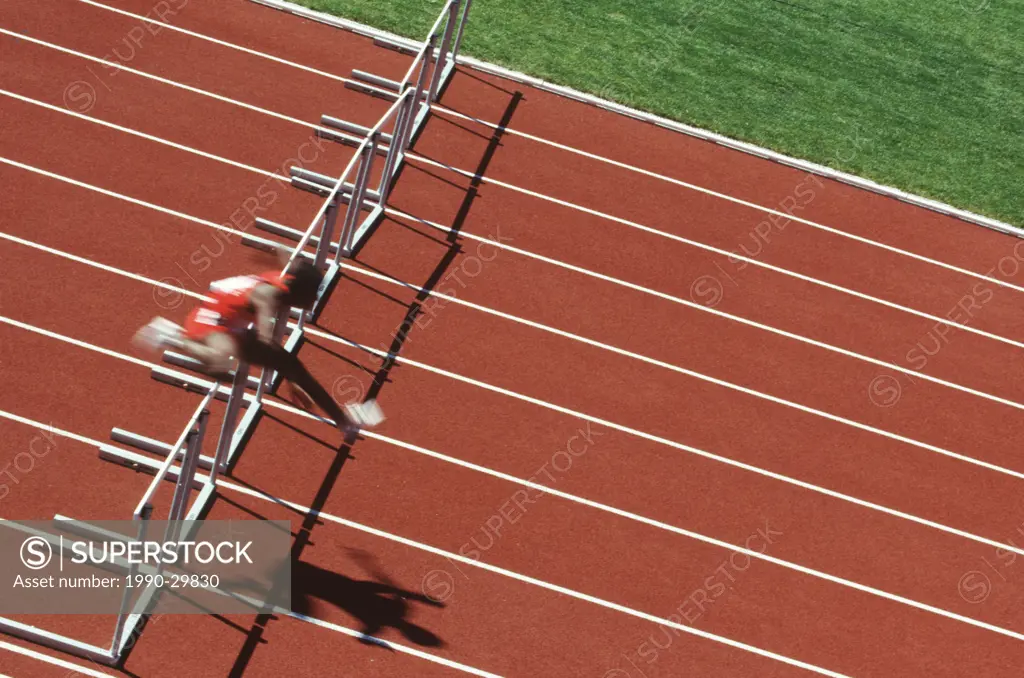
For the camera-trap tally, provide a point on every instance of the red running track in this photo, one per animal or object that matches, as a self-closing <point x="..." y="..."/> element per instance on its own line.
<point x="706" y="402"/>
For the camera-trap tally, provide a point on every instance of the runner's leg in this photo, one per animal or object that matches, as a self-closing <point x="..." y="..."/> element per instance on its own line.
<point x="276" y="358"/>
<point x="217" y="351"/>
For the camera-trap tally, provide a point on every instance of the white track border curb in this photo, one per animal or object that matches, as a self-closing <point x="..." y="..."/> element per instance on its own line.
<point x="804" y="165"/>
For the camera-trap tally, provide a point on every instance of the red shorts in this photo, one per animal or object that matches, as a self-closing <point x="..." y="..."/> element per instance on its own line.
<point x="203" y="321"/>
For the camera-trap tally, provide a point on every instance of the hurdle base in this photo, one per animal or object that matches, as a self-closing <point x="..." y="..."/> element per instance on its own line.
<point x="156" y="447"/>
<point x="372" y="91"/>
<point x="394" y="46"/>
<point x="60" y="643"/>
<point x="362" y="131"/>
<point x="191" y="364"/>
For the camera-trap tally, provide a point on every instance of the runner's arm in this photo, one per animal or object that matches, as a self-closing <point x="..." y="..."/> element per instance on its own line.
<point x="264" y="298"/>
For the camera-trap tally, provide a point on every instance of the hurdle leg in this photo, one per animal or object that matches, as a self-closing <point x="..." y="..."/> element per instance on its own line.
<point x="122" y="616"/>
<point x="355" y="204"/>
<point x="393" y="152"/>
<point x="170" y="534"/>
<point x="189" y="467"/>
<point x="411" y="106"/>
<point x="446" y="43"/>
<point x="351" y="214"/>
<point x="268" y="376"/>
<point x="360" y="190"/>
<point x="326" y="234"/>
<point x="462" y="27"/>
<point x="421" y="82"/>
<point x="227" y="431"/>
<point x="414" y="109"/>
<point x="183" y="488"/>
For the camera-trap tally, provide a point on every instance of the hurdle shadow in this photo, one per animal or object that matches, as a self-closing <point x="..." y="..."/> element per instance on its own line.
<point x="254" y="637"/>
<point x="481" y="169"/>
<point x="377" y="603"/>
<point x="453" y="249"/>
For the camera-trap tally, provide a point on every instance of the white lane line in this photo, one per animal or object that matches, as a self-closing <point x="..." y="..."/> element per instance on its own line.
<point x="468" y="561"/>
<point x="55" y="661"/>
<point x="636" y="432"/>
<point x="592" y="156"/>
<point x="397" y="647"/>
<point x="96" y="264"/>
<point x="755" y="262"/>
<point x="728" y="198"/>
<point x="690" y="304"/>
<point x="534" y="581"/>
<point x="527" y="483"/>
<point x="601" y="345"/>
<point x="696" y="536"/>
<point x="706" y="309"/>
<point x="886" y="434"/>
<point x="128" y="198"/>
<point x="643" y="358"/>
<point x="143" y="135"/>
<point x="732" y="255"/>
<point x="164" y="81"/>
<point x="404" y="649"/>
<point x="890" y="366"/>
<point x="216" y="41"/>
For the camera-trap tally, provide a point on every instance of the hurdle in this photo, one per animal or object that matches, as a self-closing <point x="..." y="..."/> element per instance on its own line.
<point x="181" y="513"/>
<point x="450" y="28"/>
<point x="347" y="197"/>
<point x="413" y="96"/>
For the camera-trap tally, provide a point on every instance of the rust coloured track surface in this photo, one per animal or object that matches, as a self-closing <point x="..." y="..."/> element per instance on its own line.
<point x="845" y="411"/>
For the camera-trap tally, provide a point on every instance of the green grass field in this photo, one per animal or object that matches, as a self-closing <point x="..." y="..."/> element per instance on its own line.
<point x="925" y="95"/>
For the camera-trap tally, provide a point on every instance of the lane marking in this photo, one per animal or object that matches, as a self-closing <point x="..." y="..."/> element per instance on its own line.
<point x="730" y="198"/>
<point x="696" y="536"/>
<point x="689" y="304"/>
<point x="886" y="434"/>
<point x="592" y="156"/>
<point x="485" y="566"/>
<point x="710" y="248"/>
<point x="629" y="430"/>
<point x="136" y="133"/>
<point x="570" y="497"/>
<point x="404" y="649"/>
<point x="546" y="328"/>
<point x="631" y="224"/>
<point x="84" y="670"/>
<point x="157" y="78"/>
<point x="265" y="496"/>
<point x="706" y="309"/>
<point x="216" y="41"/>
<point x="55" y="661"/>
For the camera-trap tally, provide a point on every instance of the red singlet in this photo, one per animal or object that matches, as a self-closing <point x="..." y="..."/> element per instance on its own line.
<point x="231" y="311"/>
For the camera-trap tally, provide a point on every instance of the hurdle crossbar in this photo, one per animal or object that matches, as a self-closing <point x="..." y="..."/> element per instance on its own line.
<point x="189" y="444"/>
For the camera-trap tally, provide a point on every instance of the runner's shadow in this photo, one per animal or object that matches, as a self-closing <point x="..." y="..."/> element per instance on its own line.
<point x="376" y="605"/>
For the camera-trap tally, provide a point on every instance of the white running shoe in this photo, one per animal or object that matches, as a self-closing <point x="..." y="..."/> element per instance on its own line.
<point x="364" y="415"/>
<point x="158" y="333"/>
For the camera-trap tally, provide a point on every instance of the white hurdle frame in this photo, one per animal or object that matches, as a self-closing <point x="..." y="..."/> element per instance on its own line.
<point x="188" y="448"/>
<point x="415" y="94"/>
<point x="413" y="98"/>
